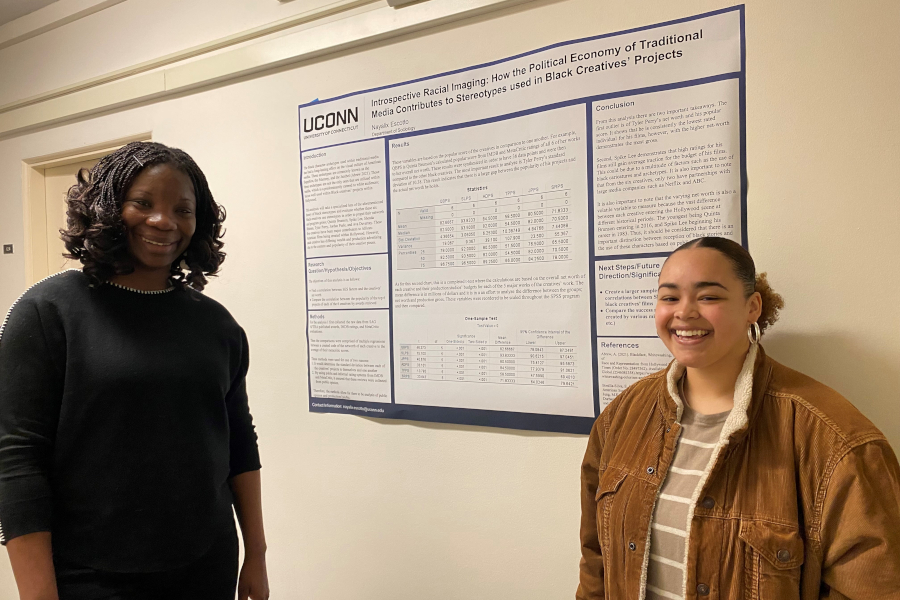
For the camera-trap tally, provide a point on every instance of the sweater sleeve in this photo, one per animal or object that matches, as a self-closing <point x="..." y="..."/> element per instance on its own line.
<point x="30" y="397"/>
<point x="244" y="450"/>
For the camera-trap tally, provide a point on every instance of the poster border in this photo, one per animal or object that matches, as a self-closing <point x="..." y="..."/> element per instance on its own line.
<point x="457" y="416"/>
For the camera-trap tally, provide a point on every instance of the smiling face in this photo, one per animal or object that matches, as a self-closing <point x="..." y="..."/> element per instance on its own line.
<point x="702" y="315"/>
<point x="159" y="213"/>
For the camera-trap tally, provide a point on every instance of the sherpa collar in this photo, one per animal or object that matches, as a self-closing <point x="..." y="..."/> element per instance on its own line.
<point x="743" y="393"/>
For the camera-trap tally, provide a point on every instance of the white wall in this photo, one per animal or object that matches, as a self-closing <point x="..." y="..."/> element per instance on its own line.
<point x="363" y="509"/>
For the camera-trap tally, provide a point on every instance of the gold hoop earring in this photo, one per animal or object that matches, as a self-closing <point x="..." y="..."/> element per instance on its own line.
<point x="754" y="333"/>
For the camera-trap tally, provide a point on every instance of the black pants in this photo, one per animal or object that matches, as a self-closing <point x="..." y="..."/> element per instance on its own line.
<point x="211" y="577"/>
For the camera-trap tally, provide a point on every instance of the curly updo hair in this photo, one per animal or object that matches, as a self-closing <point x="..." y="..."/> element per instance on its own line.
<point x="95" y="233"/>
<point x="745" y="269"/>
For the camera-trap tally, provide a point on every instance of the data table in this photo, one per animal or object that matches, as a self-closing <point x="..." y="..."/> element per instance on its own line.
<point x="521" y="364"/>
<point x="525" y="228"/>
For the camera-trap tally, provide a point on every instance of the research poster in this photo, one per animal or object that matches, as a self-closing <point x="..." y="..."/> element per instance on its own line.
<point x="483" y="246"/>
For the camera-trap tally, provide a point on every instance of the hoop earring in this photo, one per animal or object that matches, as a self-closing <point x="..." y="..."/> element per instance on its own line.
<point x="754" y="333"/>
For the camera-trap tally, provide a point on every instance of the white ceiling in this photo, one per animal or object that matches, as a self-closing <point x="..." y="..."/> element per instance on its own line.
<point x="10" y="10"/>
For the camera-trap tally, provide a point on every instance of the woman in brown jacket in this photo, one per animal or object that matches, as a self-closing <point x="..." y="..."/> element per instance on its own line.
<point x="728" y="475"/>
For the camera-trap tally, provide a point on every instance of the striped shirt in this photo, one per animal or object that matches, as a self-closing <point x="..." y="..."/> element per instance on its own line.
<point x="668" y="530"/>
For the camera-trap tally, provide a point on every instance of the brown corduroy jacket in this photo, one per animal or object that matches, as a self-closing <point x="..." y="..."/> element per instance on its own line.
<point x="801" y="501"/>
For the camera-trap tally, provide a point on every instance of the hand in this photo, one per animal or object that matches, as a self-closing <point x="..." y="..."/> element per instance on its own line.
<point x="253" y="583"/>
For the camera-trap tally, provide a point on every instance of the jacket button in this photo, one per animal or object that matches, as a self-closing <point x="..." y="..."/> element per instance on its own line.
<point x="632" y="546"/>
<point x="651" y="470"/>
<point x="708" y="503"/>
<point x="783" y="555"/>
<point x="703" y="589"/>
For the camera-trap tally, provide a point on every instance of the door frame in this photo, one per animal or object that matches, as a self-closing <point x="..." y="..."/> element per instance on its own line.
<point x="34" y="202"/>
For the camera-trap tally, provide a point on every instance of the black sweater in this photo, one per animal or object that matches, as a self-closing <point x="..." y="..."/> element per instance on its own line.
<point x="122" y="418"/>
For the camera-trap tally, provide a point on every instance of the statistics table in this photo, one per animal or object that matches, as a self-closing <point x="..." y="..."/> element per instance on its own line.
<point x="490" y="363"/>
<point x="527" y="228"/>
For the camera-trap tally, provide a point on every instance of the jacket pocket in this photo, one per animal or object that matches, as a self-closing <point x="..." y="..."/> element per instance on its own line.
<point x="610" y="482"/>
<point x="774" y="556"/>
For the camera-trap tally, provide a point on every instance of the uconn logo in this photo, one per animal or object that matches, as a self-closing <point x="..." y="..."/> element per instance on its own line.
<point x="332" y="119"/>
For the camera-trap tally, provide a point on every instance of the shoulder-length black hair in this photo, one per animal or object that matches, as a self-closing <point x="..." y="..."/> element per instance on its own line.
<point x="95" y="233"/>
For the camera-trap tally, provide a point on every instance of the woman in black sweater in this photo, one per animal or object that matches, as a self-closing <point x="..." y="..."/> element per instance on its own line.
<point x="125" y="433"/>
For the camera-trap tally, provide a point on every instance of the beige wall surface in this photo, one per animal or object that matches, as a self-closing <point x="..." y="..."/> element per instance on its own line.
<point x="364" y="509"/>
<point x="107" y="40"/>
